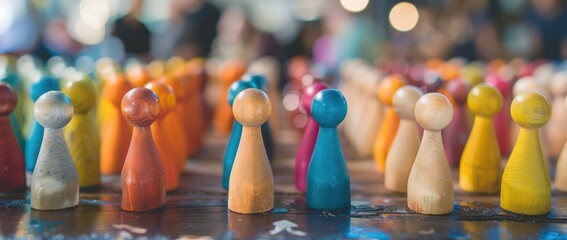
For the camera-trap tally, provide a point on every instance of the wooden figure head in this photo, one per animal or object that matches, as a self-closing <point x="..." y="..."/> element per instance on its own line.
<point x="251" y="107"/>
<point x="232" y="70"/>
<point x="433" y="111"/>
<point x="8" y="99"/>
<point x="45" y="84"/>
<point x="458" y="90"/>
<point x="53" y="110"/>
<point x="236" y="88"/>
<point x="140" y="107"/>
<point x="82" y="94"/>
<point x="258" y="80"/>
<point x="309" y="93"/>
<point x="484" y="100"/>
<point x="115" y="88"/>
<point x="558" y="85"/>
<point x="388" y="87"/>
<point x="530" y="110"/>
<point x="165" y="95"/>
<point x="404" y="101"/>
<point x="329" y="108"/>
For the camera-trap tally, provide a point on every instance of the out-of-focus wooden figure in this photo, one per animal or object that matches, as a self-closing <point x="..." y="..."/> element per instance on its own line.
<point x="307" y="143"/>
<point x="389" y="126"/>
<point x="196" y="116"/>
<point x="137" y="75"/>
<point x="561" y="168"/>
<point x="55" y="182"/>
<point x="143" y="176"/>
<point x="328" y="181"/>
<point x="480" y="162"/>
<point x="33" y="143"/>
<point x="164" y="135"/>
<point x="251" y="187"/>
<point x="526" y="186"/>
<point x="455" y="135"/>
<point x="115" y="132"/>
<point x="406" y="143"/>
<point x="259" y="82"/>
<point x="502" y="120"/>
<point x="556" y="129"/>
<point x="430" y="185"/>
<point x="12" y="175"/>
<point x="230" y="72"/>
<point x="80" y="133"/>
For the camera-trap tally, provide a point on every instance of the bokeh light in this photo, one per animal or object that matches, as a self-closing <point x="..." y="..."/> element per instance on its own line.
<point x="354" y="5"/>
<point x="404" y="16"/>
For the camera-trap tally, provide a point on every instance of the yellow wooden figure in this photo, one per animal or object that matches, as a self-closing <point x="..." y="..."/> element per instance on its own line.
<point x="80" y="133"/>
<point x="389" y="126"/>
<point x="480" y="163"/>
<point x="526" y="186"/>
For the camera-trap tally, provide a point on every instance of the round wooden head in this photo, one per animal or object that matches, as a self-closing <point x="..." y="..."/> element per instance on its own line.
<point x="404" y="101"/>
<point x="252" y="107"/>
<point x="236" y="88"/>
<point x="165" y="95"/>
<point x="8" y="99"/>
<point x="53" y="109"/>
<point x="329" y="108"/>
<point x="458" y="90"/>
<point x="232" y="70"/>
<point x="115" y="88"/>
<point x="82" y="94"/>
<point x="558" y="85"/>
<point x="45" y="84"/>
<point x="527" y="84"/>
<point x="137" y="75"/>
<point x="179" y="84"/>
<point x="530" y="110"/>
<point x="259" y="81"/>
<point x="309" y="93"/>
<point x="433" y="111"/>
<point x="484" y="100"/>
<point x="388" y="87"/>
<point x="140" y="107"/>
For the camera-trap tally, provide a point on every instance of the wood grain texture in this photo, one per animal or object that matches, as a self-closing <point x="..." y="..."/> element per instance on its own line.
<point x="12" y="170"/>
<point x="526" y="185"/>
<point x="390" y="123"/>
<point x="55" y="182"/>
<point x="406" y="143"/>
<point x="143" y="176"/>
<point x="430" y="184"/>
<point x="251" y="187"/>
<point x="480" y="162"/>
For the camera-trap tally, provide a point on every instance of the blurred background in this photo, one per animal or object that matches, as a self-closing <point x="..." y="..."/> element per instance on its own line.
<point x="324" y="31"/>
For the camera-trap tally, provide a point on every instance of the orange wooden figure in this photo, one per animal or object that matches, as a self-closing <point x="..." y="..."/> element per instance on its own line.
<point x="169" y="150"/>
<point x="230" y="72"/>
<point x="389" y="126"/>
<point x="143" y="176"/>
<point x="115" y="132"/>
<point x="196" y="114"/>
<point x="12" y="172"/>
<point x="137" y="75"/>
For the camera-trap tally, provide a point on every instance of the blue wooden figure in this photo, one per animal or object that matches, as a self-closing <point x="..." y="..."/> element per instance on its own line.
<point x="259" y="82"/>
<point x="33" y="144"/>
<point x="12" y="80"/>
<point x="328" y="182"/>
<point x="235" y="134"/>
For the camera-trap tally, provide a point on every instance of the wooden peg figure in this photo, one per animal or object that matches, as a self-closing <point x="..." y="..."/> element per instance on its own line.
<point x="390" y="122"/>
<point x="455" y="135"/>
<point x="143" y="175"/>
<point x="502" y="119"/>
<point x="307" y="143"/>
<point x="230" y="72"/>
<point x="260" y="82"/>
<point x="480" y="163"/>
<point x="406" y="143"/>
<point x="33" y="144"/>
<point x="55" y="182"/>
<point x="165" y="141"/>
<point x="80" y="133"/>
<point x="556" y="129"/>
<point x="430" y="185"/>
<point x="526" y="186"/>
<point x="235" y="134"/>
<point x="251" y="187"/>
<point x="11" y="157"/>
<point x="328" y="181"/>
<point x="561" y="168"/>
<point x="115" y="132"/>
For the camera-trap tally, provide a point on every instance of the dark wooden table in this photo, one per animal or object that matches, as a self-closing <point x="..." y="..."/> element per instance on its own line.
<point x="198" y="210"/>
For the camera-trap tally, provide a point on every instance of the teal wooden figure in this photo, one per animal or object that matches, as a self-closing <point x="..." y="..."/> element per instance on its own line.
<point x="33" y="144"/>
<point x="328" y="182"/>
<point x="259" y="82"/>
<point x="234" y="139"/>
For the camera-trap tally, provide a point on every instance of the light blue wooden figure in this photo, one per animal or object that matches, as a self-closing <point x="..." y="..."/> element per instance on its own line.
<point x="328" y="181"/>
<point x="234" y="139"/>
<point x="33" y="144"/>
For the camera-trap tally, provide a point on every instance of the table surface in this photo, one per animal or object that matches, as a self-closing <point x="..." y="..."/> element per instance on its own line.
<point x="198" y="210"/>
